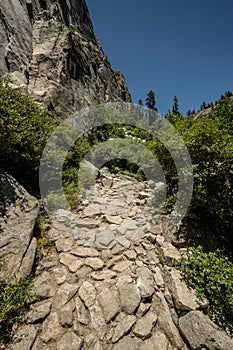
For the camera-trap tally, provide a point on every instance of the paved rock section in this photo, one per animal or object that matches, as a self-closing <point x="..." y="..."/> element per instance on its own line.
<point x="103" y="287"/>
<point x="18" y="213"/>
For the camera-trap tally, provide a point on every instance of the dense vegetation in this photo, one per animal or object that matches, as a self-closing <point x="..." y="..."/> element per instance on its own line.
<point x="25" y="127"/>
<point x="24" y="130"/>
<point x="211" y="274"/>
<point x="12" y="302"/>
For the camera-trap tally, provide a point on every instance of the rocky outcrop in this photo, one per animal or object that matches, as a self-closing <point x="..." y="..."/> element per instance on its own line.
<point x="49" y="49"/>
<point x="18" y="213"/>
<point x="103" y="287"/>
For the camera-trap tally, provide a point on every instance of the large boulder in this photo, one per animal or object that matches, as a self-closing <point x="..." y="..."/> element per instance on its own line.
<point x="18" y="214"/>
<point x="201" y="333"/>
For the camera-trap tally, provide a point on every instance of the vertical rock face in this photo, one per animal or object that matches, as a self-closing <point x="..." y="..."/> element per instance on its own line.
<point x="49" y="48"/>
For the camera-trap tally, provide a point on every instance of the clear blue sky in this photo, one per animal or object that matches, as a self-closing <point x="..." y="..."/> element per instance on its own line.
<point x="181" y="47"/>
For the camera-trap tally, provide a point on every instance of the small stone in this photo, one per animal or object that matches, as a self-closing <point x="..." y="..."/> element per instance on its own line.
<point x="70" y="341"/>
<point x="145" y="325"/>
<point x="127" y="343"/>
<point x="51" y="330"/>
<point x="64" y="244"/>
<point x="107" y="182"/>
<point x="72" y="262"/>
<point x="95" y="263"/>
<point x="122" y="265"/>
<point x="160" y="240"/>
<point x="66" y="315"/>
<point x="64" y="294"/>
<point x="109" y="302"/>
<point x="129" y="224"/>
<point x="104" y="239"/>
<point x="97" y="320"/>
<point x="24" y="339"/>
<point x="156" y="230"/>
<point x="87" y="293"/>
<point x="123" y="241"/>
<point x="44" y="286"/>
<point x="143" y="308"/>
<point x="130" y="254"/>
<point x="145" y="282"/>
<point x="92" y="342"/>
<point x="84" y="271"/>
<point x="143" y="195"/>
<point x="112" y="227"/>
<point x="129" y="297"/>
<point x="153" y="257"/>
<point x="168" y="253"/>
<point x="117" y="250"/>
<point x="85" y="252"/>
<point x="123" y="327"/>
<point x="82" y="312"/>
<point x="158" y="341"/>
<point x="132" y="213"/>
<point x="159" y="281"/>
<point x="106" y="254"/>
<point x="60" y="274"/>
<point x="91" y="211"/>
<point x="103" y="275"/>
<point x="113" y="219"/>
<point x="151" y="237"/>
<point x="39" y="311"/>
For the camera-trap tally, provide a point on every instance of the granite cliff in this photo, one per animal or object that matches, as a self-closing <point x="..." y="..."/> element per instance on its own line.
<point x="49" y="49"/>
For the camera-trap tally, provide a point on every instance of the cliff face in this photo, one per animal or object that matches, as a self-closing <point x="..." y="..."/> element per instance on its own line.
<point x="49" y="48"/>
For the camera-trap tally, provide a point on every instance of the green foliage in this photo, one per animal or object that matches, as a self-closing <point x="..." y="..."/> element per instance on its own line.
<point x="41" y="232"/>
<point x="223" y="114"/>
<point x="173" y="118"/>
<point x="24" y="130"/>
<point x="212" y="276"/>
<point x="211" y="151"/>
<point x="12" y="303"/>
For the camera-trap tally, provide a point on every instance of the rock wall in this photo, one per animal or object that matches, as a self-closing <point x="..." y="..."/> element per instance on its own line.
<point x="49" y="49"/>
<point x="18" y="213"/>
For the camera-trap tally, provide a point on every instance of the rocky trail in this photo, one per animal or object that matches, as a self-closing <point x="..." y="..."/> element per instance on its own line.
<point x="109" y="281"/>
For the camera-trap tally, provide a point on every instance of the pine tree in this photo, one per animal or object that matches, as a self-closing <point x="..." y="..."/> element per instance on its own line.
<point x="140" y="102"/>
<point x="175" y="106"/>
<point x="150" y="101"/>
<point x="228" y="94"/>
<point x="203" y="105"/>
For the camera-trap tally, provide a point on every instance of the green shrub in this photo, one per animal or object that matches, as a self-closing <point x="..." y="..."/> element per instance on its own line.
<point x="223" y="114"/>
<point x="12" y="303"/>
<point x="212" y="275"/>
<point x="211" y="151"/>
<point x="41" y="232"/>
<point x="24" y="129"/>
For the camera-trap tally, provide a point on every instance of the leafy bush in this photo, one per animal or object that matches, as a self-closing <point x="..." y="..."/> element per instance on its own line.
<point x="212" y="276"/>
<point x="12" y="304"/>
<point x="223" y="114"/>
<point x="24" y="129"/>
<point x="211" y="151"/>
